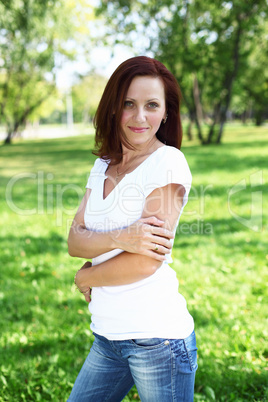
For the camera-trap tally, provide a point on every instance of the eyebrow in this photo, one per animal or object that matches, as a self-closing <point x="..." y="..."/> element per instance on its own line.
<point x="149" y="100"/>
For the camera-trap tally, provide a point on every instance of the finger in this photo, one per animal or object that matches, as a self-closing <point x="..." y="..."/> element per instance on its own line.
<point x="161" y="249"/>
<point x="156" y="256"/>
<point x="146" y="227"/>
<point x="153" y="221"/>
<point x="162" y="232"/>
<point x="157" y="231"/>
<point x="162" y="241"/>
<point x="88" y="296"/>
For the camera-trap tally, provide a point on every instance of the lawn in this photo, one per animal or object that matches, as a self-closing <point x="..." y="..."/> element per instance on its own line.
<point x="220" y="256"/>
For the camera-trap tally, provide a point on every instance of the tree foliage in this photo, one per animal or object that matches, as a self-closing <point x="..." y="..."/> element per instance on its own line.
<point x="86" y="95"/>
<point x="35" y="40"/>
<point x="207" y="45"/>
<point x="253" y="84"/>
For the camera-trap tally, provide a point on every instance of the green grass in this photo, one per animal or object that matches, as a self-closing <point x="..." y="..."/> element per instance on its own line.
<point x="221" y="263"/>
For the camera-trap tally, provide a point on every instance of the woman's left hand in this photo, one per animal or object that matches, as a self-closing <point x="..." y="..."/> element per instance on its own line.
<point x="86" y="290"/>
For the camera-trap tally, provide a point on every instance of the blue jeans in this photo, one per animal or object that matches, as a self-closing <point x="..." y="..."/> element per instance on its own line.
<point x="163" y="370"/>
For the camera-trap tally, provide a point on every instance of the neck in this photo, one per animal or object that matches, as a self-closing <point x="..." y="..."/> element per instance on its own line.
<point x="140" y="150"/>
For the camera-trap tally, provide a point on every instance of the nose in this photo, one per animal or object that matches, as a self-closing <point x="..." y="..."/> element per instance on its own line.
<point x="140" y="115"/>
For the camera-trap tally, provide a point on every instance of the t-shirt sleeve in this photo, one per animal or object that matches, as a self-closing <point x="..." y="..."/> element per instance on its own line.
<point x="95" y="173"/>
<point x="169" y="167"/>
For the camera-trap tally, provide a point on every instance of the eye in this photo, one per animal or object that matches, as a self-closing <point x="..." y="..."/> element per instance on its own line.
<point x="128" y="104"/>
<point x="152" y="105"/>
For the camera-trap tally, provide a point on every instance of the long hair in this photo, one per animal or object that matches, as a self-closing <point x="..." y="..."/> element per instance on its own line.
<point x="109" y="135"/>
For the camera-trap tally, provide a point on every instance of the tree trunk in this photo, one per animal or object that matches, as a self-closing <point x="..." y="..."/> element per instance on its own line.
<point x="189" y="130"/>
<point x="8" y="138"/>
<point x="212" y="126"/>
<point x="220" y="132"/>
<point x="258" y="118"/>
<point x="244" y="117"/>
<point x="211" y="133"/>
<point x="229" y="80"/>
<point x="197" y="102"/>
<point x="12" y="130"/>
<point x="198" y="108"/>
<point x="199" y="130"/>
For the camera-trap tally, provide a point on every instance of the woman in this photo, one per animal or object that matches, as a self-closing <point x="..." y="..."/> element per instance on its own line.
<point x="144" y="334"/>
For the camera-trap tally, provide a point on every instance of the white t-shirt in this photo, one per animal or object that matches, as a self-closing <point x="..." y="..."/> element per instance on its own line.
<point x="152" y="307"/>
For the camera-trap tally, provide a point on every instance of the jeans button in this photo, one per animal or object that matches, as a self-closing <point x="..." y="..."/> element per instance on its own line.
<point x="166" y="342"/>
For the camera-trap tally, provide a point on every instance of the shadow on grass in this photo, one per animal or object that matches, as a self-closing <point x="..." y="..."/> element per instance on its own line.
<point x="206" y="163"/>
<point x="235" y="383"/>
<point x="58" y="351"/>
<point x="52" y="343"/>
<point x="52" y="244"/>
<point x="231" y="378"/>
<point x="80" y="149"/>
<point x="193" y="233"/>
<point x="60" y="148"/>
<point x="208" y="159"/>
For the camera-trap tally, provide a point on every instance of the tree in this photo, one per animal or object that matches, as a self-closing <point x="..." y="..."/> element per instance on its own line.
<point x="205" y="44"/>
<point x="253" y="84"/>
<point x="86" y="95"/>
<point x="35" y="39"/>
<point x="236" y="26"/>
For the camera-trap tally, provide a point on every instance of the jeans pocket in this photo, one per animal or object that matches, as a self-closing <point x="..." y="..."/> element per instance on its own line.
<point x="191" y="349"/>
<point x="150" y="342"/>
<point x="185" y="354"/>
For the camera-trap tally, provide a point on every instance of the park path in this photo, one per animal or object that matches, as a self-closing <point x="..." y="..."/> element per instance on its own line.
<point x="48" y="131"/>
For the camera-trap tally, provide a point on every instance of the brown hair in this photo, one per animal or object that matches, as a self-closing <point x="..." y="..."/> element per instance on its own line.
<point x="109" y="135"/>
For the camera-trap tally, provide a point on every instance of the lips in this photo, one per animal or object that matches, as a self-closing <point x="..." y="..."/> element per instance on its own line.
<point x="138" y="129"/>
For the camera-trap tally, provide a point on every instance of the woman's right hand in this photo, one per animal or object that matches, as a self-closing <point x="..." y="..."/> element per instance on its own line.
<point x="146" y="236"/>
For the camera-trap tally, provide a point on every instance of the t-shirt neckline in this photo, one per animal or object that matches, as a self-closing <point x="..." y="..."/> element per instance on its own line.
<point x="127" y="174"/>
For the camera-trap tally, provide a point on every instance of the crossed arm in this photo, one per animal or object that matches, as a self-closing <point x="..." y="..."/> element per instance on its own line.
<point x="139" y="260"/>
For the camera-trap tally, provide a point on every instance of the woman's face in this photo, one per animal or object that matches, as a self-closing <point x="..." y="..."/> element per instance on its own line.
<point x="144" y="109"/>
